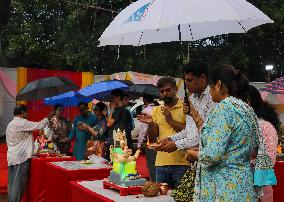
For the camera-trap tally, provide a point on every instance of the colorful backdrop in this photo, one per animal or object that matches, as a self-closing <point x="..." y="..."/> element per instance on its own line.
<point x="37" y="109"/>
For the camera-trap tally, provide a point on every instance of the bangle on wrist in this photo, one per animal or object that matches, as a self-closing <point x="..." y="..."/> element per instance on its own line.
<point x="200" y="124"/>
<point x="197" y="121"/>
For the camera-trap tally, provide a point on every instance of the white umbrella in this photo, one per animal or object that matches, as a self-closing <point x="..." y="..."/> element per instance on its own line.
<point x="155" y="21"/>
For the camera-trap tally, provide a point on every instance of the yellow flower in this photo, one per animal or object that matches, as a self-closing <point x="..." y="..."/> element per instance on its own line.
<point x="219" y="158"/>
<point x="210" y="139"/>
<point x="205" y="193"/>
<point x="226" y="127"/>
<point x="217" y="132"/>
<point x="231" y="186"/>
<point x="248" y="198"/>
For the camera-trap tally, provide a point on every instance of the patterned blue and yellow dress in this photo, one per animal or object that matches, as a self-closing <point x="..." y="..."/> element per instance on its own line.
<point x="228" y="140"/>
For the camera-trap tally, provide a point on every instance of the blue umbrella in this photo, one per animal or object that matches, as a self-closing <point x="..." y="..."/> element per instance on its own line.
<point x="102" y="90"/>
<point x="67" y="99"/>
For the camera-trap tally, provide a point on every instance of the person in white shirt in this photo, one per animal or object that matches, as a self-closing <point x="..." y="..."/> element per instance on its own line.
<point x="196" y="74"/>
<point x="20" y="144"/>
<point x="196" y="82"/>
<point x="150" y="153"/>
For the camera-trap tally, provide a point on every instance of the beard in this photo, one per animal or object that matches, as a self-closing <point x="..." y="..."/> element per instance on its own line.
<point x="168" y="100"/>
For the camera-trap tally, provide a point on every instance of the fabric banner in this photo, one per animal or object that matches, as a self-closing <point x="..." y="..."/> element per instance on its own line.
<point x="9" y="84"/>
<point x="37" y="109"/>
<point x="99" y="78"/>
<point x="118" y="76"/>
<point x="87" y="79"/>
<point x="128" y="76"/>
<point x="180" y="86"/>
<point x="264" y="94"/>
<point x="7" y="96"/>
<point x="140" y="78"/>
<point x="280" y="97"/>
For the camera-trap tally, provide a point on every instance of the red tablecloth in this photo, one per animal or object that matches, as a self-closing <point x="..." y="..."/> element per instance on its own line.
<point x="278" y="195"/>
<point x="37" y="179"/>
<point x="79" y="193"/>
<point x="58" y="179"/>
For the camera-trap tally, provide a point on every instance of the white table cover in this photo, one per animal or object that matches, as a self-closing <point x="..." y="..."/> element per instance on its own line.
<point x="77" y="165"/>
<point x="97" y="186"/>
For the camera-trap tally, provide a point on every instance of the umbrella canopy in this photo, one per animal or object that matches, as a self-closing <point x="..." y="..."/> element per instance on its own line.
<point x="67" y="99"/>
<point x="46" y="87"/>
<point x="151" y="21"/>
<point x="144" y="89"/>
<point x="102" y="90"/>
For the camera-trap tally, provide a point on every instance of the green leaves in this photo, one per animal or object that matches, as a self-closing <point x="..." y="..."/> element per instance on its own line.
<point x="64" y="34"/>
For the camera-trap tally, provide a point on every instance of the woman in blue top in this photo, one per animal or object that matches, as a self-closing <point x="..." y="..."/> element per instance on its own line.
<point x="82" y="135"/>
<point x="99" y="132"/>
<point x="100" y="110"/>
<point x="229" y="139"/>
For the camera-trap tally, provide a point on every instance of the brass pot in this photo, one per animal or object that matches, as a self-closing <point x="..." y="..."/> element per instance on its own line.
<point x="163" y="188"/>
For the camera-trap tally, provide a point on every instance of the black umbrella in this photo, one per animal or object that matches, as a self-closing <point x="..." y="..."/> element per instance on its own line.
<point x="144" y="89"/>
<point x="46" y="87"/>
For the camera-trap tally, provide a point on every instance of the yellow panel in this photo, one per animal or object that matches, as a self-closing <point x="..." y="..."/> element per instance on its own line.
<point x="21" y="81"/>
<point x="128" y="77"/>
<point x="87" y="79"/>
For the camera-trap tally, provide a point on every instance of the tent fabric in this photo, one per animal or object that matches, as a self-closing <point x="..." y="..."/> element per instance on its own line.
<point x="9" y="84"/>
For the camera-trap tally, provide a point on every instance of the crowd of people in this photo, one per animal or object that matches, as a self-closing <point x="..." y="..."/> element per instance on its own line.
<point x="220" y="146"/>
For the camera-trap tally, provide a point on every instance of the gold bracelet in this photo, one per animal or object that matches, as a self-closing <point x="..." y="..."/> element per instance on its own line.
<point x="200" y="124"/>
<point x="197" y="121"/>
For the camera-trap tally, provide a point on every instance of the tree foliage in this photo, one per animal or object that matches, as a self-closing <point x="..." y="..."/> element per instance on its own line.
<point x="63" y="34"/>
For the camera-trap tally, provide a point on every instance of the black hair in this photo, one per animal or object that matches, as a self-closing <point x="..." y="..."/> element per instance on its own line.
<point x="100" y="106"/>
<point x="125" y="95"/>
<point x="166" y="80"/>
<point x="197" y="68"/>
<point x="19" y="110"/>
<point x="263" y="109"/>
<point x="57" y="106"/>
<point x="117" y="93"/>
<point x="83" y="103"/>
<point x="235" y="81"/>
<point x="149" y="98"/>
<point x="156" y="103"/>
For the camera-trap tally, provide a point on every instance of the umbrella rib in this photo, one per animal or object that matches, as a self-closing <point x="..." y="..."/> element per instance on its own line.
<point x="179" y="33"/>
<point x="191" y="32"/>
<point x="140" y="38"/>
<point x="241" y="26"/>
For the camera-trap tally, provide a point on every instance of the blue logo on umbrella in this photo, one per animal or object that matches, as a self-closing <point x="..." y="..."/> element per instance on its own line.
<point x="138" y="15"/>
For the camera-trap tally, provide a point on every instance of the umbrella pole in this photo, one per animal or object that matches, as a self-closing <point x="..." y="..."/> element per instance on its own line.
<point x="68" y="111"/>
<point x="181" y="62"/>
